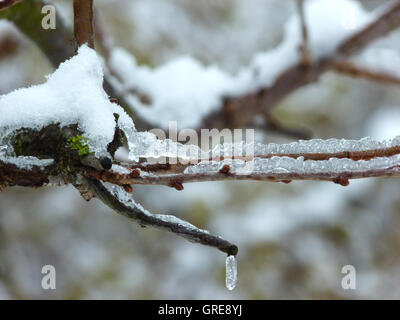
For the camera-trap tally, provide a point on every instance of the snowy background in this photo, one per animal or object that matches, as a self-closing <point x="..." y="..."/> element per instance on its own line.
<point x="293" y="239"/>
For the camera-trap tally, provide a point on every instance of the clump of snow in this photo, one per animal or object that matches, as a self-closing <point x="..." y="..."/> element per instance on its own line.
<point x="73" y="94"/>
<point x="182" y="83"/>
<point x="183" y="90"/>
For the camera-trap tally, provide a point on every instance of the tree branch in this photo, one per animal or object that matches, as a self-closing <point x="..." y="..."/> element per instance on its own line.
<point x="83" y="23"/>
<point x="163" y="222"/>
<point x="337" y="167"/>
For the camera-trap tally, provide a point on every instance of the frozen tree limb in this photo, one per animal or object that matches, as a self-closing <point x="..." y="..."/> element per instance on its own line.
<point x="347" y="160"/>
<point x="241" y="111"/>
<point x="163" y="222"/>
<point x="337" y="167"/>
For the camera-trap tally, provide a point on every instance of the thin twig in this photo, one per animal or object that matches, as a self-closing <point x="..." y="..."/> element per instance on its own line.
<point x="350" y="69"/>
<point x="304" y="48"/>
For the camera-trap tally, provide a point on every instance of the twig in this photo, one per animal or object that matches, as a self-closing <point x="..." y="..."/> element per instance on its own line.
<point x="83" y="22"/>
<point x="305" y="51"/>
<point x="350" y="69"/>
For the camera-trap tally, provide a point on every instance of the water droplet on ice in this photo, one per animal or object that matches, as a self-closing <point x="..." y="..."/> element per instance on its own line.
<point x="231" y="272"/>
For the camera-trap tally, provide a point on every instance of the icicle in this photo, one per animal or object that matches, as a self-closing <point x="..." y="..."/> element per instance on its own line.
<point x="231" y="272"/>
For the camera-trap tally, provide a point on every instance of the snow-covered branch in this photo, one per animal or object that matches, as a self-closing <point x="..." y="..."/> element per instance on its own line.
<point x="241" y="111"/>
<point x="121" y="202"/>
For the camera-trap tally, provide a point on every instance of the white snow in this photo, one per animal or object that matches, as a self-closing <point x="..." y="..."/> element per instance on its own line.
<point x="73" y="94"/>
<point x="231" y="272"/>
<point x="182" y="83"/>
<point x="184" y="90"/>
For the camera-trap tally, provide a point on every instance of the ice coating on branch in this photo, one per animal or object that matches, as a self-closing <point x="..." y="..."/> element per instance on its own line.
<point x="26" y="163"/>
<point x="127" y="200"/>
<point x="73" y="94"/>
<point x="324" y="146"/>
<point x="231" y="272"/>
<point x="184" y="90"/>
<point x="286" y="165"/>
<point x="146" y="145"/>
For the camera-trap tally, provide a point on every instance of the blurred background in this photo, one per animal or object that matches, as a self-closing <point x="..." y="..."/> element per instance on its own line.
<point x="293" y="239"/>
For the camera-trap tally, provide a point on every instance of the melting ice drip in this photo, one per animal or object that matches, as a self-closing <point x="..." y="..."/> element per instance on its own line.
<point x="231" y="272"/>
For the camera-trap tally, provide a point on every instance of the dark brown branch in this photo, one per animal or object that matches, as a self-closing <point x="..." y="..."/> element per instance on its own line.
<point x="83" y="22"/>
<point x="241" y="111"/>
<point x="12" y="175"/>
